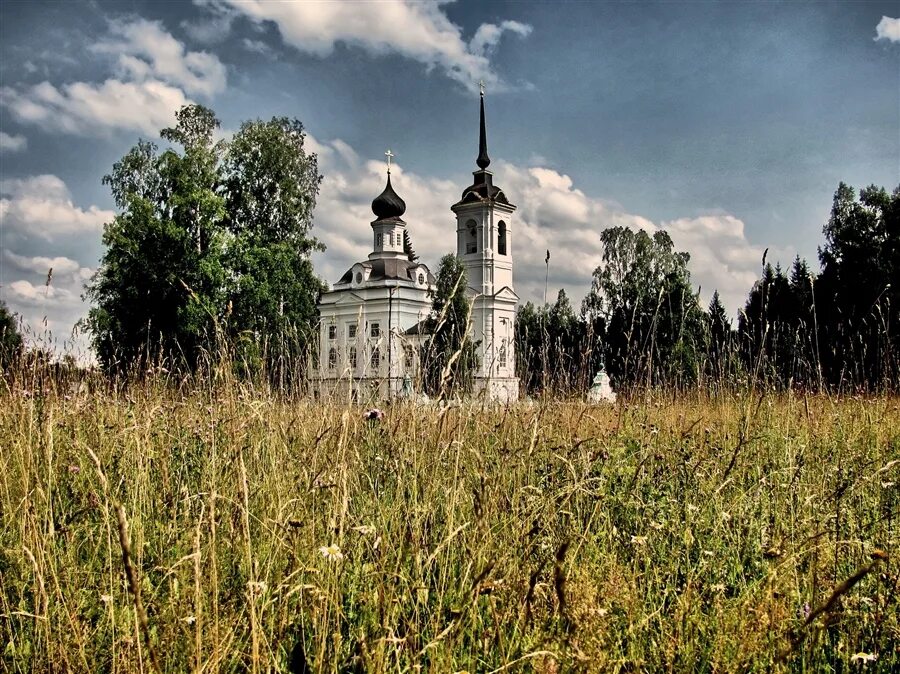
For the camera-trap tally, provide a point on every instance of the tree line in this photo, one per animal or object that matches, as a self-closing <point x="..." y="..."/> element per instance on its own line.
<point x="210" y="250"/>
<point x="838" y="328"/>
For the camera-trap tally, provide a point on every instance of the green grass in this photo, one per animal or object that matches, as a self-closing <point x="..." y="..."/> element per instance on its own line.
<point x="687" y="534"/>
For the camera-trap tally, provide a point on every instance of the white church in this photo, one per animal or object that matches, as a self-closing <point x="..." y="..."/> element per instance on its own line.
<point x="371" y="320"/>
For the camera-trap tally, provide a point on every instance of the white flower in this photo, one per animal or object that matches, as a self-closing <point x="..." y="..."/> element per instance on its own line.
<point x="190" y="620"/>
<point x="639" y="540"/>
<point x="864" y="658"/>
<point x="331" y="552"/>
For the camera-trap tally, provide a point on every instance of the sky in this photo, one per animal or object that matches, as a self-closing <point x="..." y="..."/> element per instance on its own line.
<point x="729" y="125"/>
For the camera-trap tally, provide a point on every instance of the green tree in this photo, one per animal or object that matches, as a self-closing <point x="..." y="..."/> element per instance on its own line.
<point x="857" y="295"/>
<point x="551" y="342"/>
<point x="271" y="184"/>
<point x="449" y="359"/>
<point x="642" y="294"/>
<point x="719" y="340"/>
<point x="10" y="337"/>
<point x="211" y="241"/>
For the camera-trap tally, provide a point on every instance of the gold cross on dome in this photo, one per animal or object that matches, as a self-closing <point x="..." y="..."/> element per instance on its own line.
<point x="481" y="86"/>
<point x="389" y="155"/>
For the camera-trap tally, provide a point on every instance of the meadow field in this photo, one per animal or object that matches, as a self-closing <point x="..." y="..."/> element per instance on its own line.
<point x="189" y="528"/>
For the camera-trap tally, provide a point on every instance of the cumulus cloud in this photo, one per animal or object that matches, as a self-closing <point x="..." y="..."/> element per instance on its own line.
<point x="888" y="29"/>
<point x="155" y="77"/>
<point x="12" y="143"/>
<point x="41" y="206"/>
<point x="553" y="214"/>
<point x="146" y="51"/>
<point x="416" y="30"/>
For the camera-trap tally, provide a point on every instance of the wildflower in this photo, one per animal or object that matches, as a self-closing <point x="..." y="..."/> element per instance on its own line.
<point x="864" y="658"/>
<point x="718" y="587"/>
<point x="190" y="620"/>
<point x="74" y="470"/>
<point x="639" y="540"/>
<point x="804" y="611"/>
<point x="106" y="598"/>
<point x="331" y="552"/>
<point x="365" y="529"/>
<point x="373" y="414"/>
<point x="258" y="587"/>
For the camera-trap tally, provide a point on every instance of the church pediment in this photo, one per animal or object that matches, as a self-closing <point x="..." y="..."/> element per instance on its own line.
<point x="506" y="293"/>
<point x="348" y="298"/>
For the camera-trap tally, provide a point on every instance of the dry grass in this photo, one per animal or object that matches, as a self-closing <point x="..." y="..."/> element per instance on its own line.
<point x="694" y="534"/>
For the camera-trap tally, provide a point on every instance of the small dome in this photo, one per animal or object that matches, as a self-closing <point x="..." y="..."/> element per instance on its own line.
<point x="388" y="204"/>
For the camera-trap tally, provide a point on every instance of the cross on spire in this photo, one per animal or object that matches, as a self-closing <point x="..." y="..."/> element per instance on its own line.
<point x="481" y="86"/>
<point x="389" y="155"/>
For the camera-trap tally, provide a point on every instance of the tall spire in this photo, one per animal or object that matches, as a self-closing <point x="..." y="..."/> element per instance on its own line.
<point x="483" y="160"/>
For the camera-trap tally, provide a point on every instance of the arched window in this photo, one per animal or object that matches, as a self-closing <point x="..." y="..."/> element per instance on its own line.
<point x="471" y="237"/>
<point x="501" y="238"/>
<point x="332" y="358"/>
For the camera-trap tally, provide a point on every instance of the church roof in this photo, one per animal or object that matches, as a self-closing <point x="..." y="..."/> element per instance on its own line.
<point x="483" y="188"/>
<point x="388" y="205"/>
<point x="389" y="269"/>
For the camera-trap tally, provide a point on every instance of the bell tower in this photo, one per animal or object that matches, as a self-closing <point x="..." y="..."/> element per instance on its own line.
<point x="484" y="245"/>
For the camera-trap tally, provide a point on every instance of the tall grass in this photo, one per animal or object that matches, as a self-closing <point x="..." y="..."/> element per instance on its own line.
<point x="212" y="526"/>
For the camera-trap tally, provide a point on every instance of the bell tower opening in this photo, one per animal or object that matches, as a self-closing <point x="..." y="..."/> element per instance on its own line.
<point x="501" y="238"/>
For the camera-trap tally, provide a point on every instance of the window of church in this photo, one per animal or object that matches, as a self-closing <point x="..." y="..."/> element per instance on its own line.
<point x="351" y="331"/>
<point x="375" y="360"/>
<point x="379" y="240"/>
<point x="332" y="332"/>
<point x="359" y="277"/>
<point x="352" y="357"/>
<point x="501" y="358"/>
<point x="407" y="356"/>
<point x="501" y="239"/>
<point x="421" y="279"/>
<point x="375" y="330"/>
<point x="332" y="358"/>
<point x="471" y="237"/>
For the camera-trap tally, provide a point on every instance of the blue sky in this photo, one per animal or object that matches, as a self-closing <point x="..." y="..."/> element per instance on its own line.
<point x="727" y="124"/>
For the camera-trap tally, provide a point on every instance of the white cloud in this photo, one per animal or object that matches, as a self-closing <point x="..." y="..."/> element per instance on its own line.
<point x="82" y="107"/>
<point x="888" y="29"/>
<point x="146" y="51"/>
<point x="552" y="214"/>
<point x="256" y="46"/>
<point x="12" y="143"/>
<point x="417" y="30"/>
<point x="63" y="267"/>
<point x="156" y="75"/>
<point x="487" y="37"/>
<point x="41" y="206"/>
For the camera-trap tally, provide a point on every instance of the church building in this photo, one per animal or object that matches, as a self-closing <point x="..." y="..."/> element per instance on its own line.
<point x="370" y="331"/>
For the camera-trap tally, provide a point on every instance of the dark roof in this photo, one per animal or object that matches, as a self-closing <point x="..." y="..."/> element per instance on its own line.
<point x="388" y="269"/>
<point x="483" y="189"/>
<point x="388" y="204"/>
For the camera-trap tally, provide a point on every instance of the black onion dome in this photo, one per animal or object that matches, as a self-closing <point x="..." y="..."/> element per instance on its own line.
<point x="388" y="204"/>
